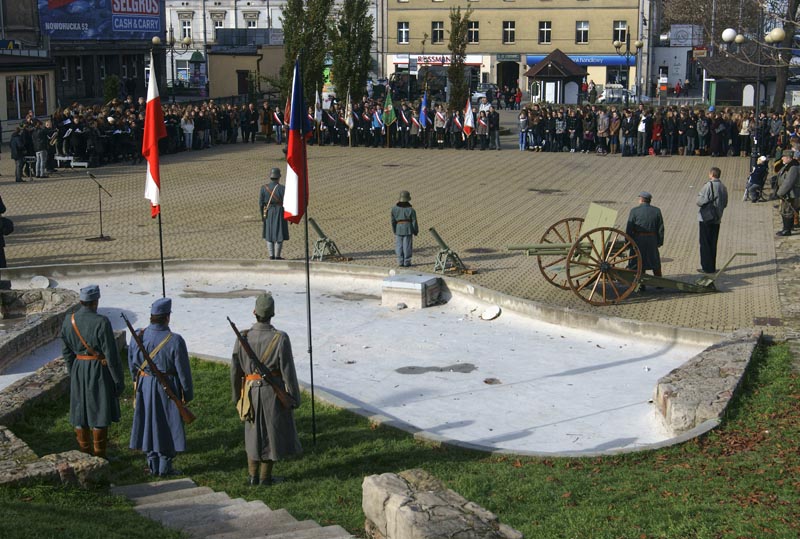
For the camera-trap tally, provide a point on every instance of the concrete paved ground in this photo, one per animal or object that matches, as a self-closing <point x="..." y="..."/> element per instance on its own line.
<point x="480" y="202"/>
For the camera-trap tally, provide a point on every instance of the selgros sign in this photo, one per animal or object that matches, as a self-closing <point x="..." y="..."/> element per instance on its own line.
<point x="102" y="19"/>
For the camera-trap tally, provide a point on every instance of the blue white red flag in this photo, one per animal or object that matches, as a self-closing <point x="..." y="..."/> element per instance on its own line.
<point x="423" y="113"/>
<point x="295" y="199"/>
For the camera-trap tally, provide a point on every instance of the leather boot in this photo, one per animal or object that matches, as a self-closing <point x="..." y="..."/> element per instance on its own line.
<point x="252" y="472"/>
<point x="680" y="151"/>
<point x="84" y="440"/>
<point x="100" y="439"/>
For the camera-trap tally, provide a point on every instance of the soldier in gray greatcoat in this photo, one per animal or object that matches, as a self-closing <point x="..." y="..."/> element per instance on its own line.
<point x="646" y="227"/>
<point x="404" y="226"/>
<point x="157" y="426"/>
<point x="270" y="203"/>
<point x="788" y="191"/>
<point x="269" y="432"/>
<point x="95" y="373"/>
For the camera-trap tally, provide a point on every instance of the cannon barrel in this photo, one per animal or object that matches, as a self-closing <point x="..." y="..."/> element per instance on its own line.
<point x="438" y="238"/>
<point x="534" y="247"/>
<point x="316" y="228"/>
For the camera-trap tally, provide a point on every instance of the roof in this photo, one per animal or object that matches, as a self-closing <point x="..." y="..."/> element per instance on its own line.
<point x="739" y="65"/>
<point x="556" y="65"/>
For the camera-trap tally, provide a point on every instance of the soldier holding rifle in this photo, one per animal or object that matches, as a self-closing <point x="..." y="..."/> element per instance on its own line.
<point x="157" y="419"/>
<point x="266" y="391"/>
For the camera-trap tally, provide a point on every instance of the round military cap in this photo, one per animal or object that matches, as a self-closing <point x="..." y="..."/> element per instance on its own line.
<point x="265" y="306"/>
<point x="645" y="195"/>
<point x="90" y="293"/>
<point x="405" y="196"/>
<point x="788" y="153"/>
<point x="161" y="306"/>
<point x="275" y="174"/>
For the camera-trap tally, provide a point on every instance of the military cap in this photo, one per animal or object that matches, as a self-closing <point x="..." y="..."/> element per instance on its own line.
<point x="161" y="306"/>
<point x="405" y="196"/>
<point x="646" y="196"/>
<point x="788" y="153"/>
<point x="265" y="305"/>
<point x="90" y="293"/>
<point x="275" y="174"/>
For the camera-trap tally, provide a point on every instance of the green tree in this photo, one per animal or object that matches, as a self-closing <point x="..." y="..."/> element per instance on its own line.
<point x="458" y="54"/>
<point x="351" y="41"/>
<point x="111" y="86"/>
<point x="306" y="30"/>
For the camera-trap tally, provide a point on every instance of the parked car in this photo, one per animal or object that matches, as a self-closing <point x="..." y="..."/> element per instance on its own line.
<point x="481" y="91"/>
<point x="615" y="93"/>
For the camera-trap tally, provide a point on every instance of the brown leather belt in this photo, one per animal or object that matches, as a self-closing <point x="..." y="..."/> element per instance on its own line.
<point x="98" y="357"/>
<point x="404" y="221"/>
<point x="255" y="376"/>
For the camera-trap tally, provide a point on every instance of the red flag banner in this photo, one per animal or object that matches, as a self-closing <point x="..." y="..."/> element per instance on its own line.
<point x="154" y="130"/>
<point x="295" y="198"/>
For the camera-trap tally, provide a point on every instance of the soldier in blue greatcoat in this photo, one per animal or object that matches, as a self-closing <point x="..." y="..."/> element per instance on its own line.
<point x="275" y="229"/>
<point x="96" y="375"/>
<point x="405" y="227"/>
<point x="157" y="425"/>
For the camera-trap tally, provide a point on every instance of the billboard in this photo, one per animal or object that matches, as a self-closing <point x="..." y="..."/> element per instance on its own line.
<point x="102" y="19"/>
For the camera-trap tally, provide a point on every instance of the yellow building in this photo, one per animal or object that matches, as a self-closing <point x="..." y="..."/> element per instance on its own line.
<point x="506" y="37"/>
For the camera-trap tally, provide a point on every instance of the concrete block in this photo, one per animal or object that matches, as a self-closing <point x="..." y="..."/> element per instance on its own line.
<point x="254" y="527"/>
<point x="151" y="488"/>
<point x="174" y="495"/>
<point x="415" y="290"/>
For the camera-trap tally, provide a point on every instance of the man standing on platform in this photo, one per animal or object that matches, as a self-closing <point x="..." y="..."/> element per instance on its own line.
<point x="157" y="425"/>
<point x="270" y="433"/>
<point x="95" y="373"/>
<point x="646" y="227"/>
<point x="275" y="228"/>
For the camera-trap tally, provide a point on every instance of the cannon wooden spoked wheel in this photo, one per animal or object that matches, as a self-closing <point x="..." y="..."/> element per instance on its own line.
<point x="553" y="266"/>
<point x="604" y="266"/>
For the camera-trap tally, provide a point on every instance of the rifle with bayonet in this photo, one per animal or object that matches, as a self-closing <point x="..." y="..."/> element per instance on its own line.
<point x="186" y="414"/>
<point x="276" y="383"/>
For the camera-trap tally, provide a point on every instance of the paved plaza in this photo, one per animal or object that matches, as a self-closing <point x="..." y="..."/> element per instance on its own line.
<point x="479" y="201"/>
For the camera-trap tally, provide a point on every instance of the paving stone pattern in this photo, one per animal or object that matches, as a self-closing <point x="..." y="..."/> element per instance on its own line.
<point x="479" y="202"/>
<point x="200" y="512"/>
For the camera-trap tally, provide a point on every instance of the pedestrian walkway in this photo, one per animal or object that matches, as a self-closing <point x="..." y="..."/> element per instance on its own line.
<point x="200" y="512"/>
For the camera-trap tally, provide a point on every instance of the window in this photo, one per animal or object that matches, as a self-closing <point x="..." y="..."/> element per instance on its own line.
<point x="135" y="70"/>
<point x="102" y="61"/>
<point x="182" y="70"/>
<point x="620" y="31"/>
<point x="124" y="67"/>
<point x="24" y="93"/>
<point x="473" y="32"/>
<point x="252" y="23"/>
<point x="402" y="33"/>
<point x="186" y="28"/>
<point x="582" y="32"/>
<point x="437" y="32"/>
<point x="545" y="32"/>
<point x="509" y="32"/>
<point x="218" y="23"/>
<point x="64" y="65"/>
<point x="79" y="68"/>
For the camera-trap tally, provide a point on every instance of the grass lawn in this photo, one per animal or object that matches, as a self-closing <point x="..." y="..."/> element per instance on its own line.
<point x="741" y="481"/>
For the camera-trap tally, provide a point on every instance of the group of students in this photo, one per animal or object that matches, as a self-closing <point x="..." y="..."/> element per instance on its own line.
<point x="641" y="130"/>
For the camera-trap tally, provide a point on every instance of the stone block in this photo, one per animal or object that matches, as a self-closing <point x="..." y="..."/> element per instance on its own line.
<point x="700" y="389"/>
<point x="415" y="505"/>
<point x="415" y="290"/>
<point x="79" y="468"/>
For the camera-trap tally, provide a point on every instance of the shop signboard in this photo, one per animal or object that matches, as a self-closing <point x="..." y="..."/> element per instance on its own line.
<point x="92" y="20"/>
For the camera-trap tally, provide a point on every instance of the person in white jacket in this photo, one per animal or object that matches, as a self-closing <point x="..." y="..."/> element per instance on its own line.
<point x="187" y="126"/>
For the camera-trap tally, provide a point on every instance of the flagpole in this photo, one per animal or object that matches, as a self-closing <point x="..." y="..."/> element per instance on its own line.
<point x="161" y="250"/>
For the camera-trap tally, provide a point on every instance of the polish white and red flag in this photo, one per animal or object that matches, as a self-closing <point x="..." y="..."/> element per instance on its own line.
<point x="154" y="130"/>
<point x="295" y="199"/>
<point x="469" y="121"/>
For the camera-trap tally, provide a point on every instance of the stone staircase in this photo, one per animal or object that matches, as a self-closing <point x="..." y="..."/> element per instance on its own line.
<point x="200" y="512"/>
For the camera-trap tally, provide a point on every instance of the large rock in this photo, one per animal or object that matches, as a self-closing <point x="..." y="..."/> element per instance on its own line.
<point x="700" y="389"/>
<point x="415" y="505"/>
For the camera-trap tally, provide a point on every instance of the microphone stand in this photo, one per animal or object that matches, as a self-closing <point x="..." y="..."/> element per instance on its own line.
<point x="100" y="191"/>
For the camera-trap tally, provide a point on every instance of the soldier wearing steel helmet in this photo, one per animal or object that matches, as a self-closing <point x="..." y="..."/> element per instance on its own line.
<point x="405" y="227"/>
<point x="275" y="229"/>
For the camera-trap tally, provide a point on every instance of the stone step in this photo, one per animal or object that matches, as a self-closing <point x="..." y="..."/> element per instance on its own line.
<point x="328" y="532"/>
<point x="211" y="515"/>
<point x="279" y="521"/>
<point x="156" y="487"/>
<point x="175" y="495"/>
<point x="204" y="501"/>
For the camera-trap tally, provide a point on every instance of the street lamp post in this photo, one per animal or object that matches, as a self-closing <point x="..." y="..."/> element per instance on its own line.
<point x="776" y="35"/>
<point x="185" y="43"/>
<point x="628" y="54"/>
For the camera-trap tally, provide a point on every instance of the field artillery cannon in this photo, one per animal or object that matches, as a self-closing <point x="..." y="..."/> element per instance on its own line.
<point x="601" y="264"/>
<point x="325" y="246"/>
<point x="447" y="259"/>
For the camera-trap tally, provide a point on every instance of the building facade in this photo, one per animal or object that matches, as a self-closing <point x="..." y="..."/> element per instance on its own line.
<point x="506" y="37"/>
